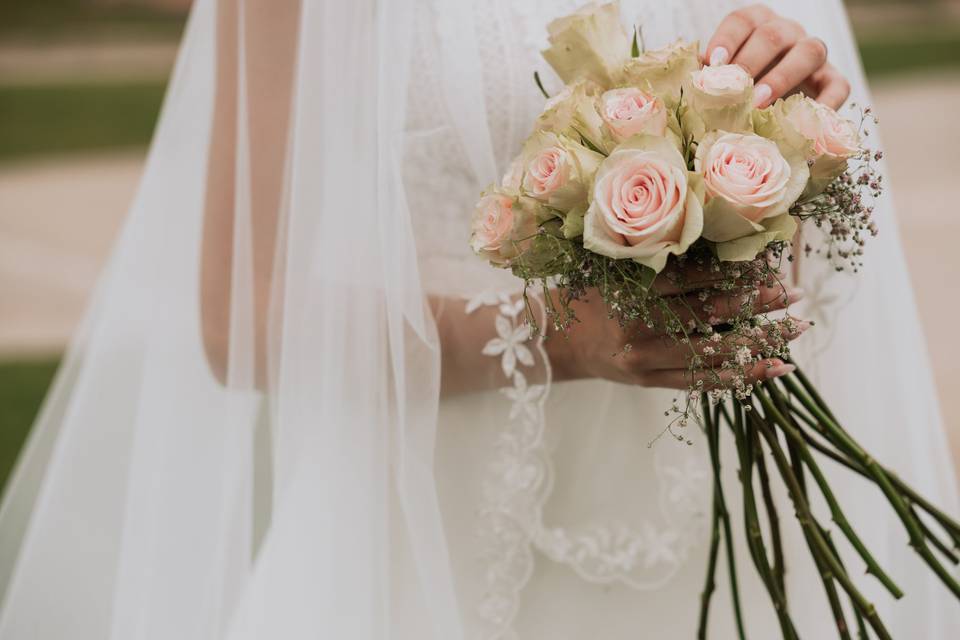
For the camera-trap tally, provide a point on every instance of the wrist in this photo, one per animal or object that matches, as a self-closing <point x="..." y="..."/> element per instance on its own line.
<point x="562" y="353"/>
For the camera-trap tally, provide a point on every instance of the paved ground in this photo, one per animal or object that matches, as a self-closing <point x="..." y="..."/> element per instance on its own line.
<point x="42" y="62"/>
<point x="58" y="218"/>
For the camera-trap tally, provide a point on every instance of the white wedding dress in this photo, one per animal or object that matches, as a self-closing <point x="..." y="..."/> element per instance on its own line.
<point x="349" y="500"/>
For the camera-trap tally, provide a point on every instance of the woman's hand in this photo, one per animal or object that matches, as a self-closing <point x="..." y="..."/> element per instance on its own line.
<point x="596" y="346"/>
<point x="779" y="54"/>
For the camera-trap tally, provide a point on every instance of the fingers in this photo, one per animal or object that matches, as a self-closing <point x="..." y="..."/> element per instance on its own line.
<point x="733" y="32"/>
<point x="778" y="53"/>
<point x="768" y="42"/>
<point x="666" y="353"/>
<point x="719" y="308"/>
<point x="833" y="88"/>
<point x="806" y="56"/>
<point x="682" y="379"/>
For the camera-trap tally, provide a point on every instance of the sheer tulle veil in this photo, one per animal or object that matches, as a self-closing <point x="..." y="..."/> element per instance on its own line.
<point x="131" y="512"/>
<point x="154" y="501"/>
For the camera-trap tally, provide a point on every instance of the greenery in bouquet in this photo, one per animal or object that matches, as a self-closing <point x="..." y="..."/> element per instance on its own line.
<point x="649" y="169"/>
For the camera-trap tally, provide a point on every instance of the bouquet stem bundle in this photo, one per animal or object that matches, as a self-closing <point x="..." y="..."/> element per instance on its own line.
<point x="787" y="419"/>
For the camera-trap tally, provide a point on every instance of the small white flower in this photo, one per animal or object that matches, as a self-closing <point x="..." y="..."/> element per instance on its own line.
<point x="658" y="546"/>
<point x="486" y="299"/>
<point x="524" y="396"/>
<point x="512" y="309"/>
<point x="510" y="345"/>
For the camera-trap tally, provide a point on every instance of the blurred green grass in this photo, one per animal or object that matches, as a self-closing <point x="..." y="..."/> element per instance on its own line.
<point x="22" y="387"/>
<point x="44" y="119"/>
<point x="890" y="53"/>
<point x="40" y="20"/>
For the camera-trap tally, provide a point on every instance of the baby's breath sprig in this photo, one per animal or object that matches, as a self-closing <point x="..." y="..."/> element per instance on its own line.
<point x="844" y="210"/>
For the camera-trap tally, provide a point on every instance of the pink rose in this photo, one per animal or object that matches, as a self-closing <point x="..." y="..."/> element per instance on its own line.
<point x="631" y="111"/>
<point x="556" y="170"/>
<point x="503" y="225"/>
<point x="641" y="198"/>
<point x="831" y="135"/>
<point x="643" y="206"/>
<point x="492" y="223"/>
<point x="547" y="172"/>
<point x="748" y="172"/>
<point x="826" y="140"/>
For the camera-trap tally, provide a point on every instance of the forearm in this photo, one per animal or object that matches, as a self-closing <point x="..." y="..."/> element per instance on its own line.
<point x="270" y="42"/>
<point x="464" y="366"/>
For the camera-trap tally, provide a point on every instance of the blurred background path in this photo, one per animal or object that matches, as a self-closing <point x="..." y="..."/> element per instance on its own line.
<point x="80" y="87"/>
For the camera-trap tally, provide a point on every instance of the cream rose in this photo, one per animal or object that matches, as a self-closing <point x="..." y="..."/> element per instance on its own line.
<point x="818" y="132"/>
<point x="750" y="186"/>
<point x="630" y="111"/>
<point x="721" y="97"/>
<point x="556" y="170"/>
<point x="645" y="204"/>
<point x="662" y="72"/>
<point x="573" y="113"/>
<point x="590" y="43"/>
<point x="501" y="228"/>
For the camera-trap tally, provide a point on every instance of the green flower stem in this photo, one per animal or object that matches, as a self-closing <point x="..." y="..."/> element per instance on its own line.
<point x="946" y="523"/>
<point x="713" y="438"/>
<point x="709" y="583"/>
<point x="826" y="577"/>
<point x="932" y="537"/>
<point x="793" y="435"/>
<point x="809" y="524"/>
<point x="861" y="626"/>
<point x="829" y="586"/>
<point x="878" y="474"/>
<point x="823" y="570"/>
<point x="773" y="517"/>
<point x="744" y="439"/>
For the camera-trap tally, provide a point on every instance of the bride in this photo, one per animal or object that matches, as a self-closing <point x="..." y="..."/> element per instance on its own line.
<point x="299" y="408"/>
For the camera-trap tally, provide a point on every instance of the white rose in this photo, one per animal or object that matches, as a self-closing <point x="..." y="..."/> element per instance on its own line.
<point x="721" y="98"/>
<point x="662" y="72"/>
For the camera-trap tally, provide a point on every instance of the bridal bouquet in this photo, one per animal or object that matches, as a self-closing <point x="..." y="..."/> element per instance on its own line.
<point x="650" y="168"/>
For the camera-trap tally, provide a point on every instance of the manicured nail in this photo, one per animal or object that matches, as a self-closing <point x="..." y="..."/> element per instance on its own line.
<point x="780" y="369"/>
<point x="761" y="93"/>
<point x="795" y="295"/>
<point x="718" y="56"/>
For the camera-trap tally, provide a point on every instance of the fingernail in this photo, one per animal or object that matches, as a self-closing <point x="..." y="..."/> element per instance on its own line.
<point x="780" y="369"/>
<point x="795" y="295"/>
<point x="761" y="93"/>
<point x="718" y="56"/>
